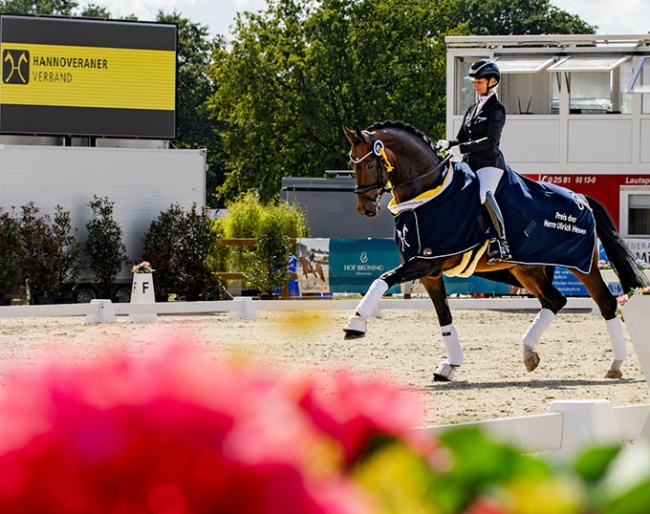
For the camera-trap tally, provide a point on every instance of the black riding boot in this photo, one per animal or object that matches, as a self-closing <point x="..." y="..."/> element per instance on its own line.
<point x="498" y="249"/>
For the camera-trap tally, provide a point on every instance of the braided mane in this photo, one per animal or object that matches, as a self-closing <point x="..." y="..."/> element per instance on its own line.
<point x="403" y="126"/>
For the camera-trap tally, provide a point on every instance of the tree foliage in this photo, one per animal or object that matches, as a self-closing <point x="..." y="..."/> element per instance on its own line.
<point x="298" y="70"/>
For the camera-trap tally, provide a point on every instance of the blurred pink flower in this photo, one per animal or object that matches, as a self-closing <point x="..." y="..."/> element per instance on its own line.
<point x="173" y="433"/>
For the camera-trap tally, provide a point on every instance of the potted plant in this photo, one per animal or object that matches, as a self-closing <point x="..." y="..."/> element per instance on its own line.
<point x="104" y="247"/>
<point x="9" y="257"/>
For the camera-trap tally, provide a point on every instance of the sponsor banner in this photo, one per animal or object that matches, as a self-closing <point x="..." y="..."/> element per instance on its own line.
<point x="312" y="266"/>
<point x="355" y="263"/>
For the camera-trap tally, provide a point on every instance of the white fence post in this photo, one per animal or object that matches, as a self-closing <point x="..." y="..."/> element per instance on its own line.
<point x="246" y="308"/>
<point x="102" y="312"/>
<point x="585" y="423"/>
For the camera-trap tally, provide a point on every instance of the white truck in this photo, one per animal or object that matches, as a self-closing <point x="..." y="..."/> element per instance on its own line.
<point x="142" y="181"/>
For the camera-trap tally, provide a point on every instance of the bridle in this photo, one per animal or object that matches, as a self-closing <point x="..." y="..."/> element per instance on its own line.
<point x="383" y="164"/>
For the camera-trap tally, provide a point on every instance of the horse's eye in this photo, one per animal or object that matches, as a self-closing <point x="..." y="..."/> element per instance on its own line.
<point x="370" y="165"/>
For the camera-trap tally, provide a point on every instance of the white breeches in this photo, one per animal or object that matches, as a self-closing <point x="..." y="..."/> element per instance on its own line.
<point x="488" y="179"/>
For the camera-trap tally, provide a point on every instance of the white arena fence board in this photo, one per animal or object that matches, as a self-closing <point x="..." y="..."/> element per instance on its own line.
<point x="245" y="307"/>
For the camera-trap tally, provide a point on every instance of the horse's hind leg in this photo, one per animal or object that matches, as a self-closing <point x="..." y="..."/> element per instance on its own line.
<point x="607" y="305"/>
<point x="534" y="279"/>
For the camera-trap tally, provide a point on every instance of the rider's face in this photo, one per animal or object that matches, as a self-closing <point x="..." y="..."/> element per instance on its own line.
<point x="481" y="85"/>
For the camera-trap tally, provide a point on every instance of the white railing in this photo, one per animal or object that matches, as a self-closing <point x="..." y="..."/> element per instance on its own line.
<point x="569" y="427"/>
<point x="246" y="307"/>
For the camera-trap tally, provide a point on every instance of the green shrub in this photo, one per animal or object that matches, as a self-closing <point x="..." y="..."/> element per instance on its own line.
<point x="265" y="265"/>
<point x="49" y="252"/>
<point x="178" y="245"/>
<point x="104" y="247"/>
<point x="10" y="269"/>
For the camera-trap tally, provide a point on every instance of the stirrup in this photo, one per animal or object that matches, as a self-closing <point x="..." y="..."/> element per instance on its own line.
<point x="498" y="251"/>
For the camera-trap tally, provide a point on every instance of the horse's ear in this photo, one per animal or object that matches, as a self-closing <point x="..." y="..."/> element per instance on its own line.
<point x="361" y="137"/>
<point x="349" y="135"/>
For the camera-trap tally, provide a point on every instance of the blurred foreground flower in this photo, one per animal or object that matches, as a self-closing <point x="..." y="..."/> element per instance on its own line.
<point x="181" y="433"/>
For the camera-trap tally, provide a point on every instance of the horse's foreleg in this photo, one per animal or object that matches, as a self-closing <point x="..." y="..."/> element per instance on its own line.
<point x="356" y="325"/>
<point x="435" y="287"/>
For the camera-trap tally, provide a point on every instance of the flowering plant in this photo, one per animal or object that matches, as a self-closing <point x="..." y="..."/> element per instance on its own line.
<point x="143" y="267"/>
<point x="637" y="290"/>
<point x="603" y="264"/>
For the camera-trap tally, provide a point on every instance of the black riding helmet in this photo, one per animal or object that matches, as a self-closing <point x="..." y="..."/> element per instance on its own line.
<point x="483" y="69"/>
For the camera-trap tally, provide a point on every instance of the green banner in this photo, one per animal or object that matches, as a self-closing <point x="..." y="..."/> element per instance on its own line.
<point x="355" y="263"/>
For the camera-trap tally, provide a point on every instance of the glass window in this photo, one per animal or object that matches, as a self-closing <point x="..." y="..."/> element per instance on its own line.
<point x="594" y="83"/>
<point x="523" y="89"/>
<point x="523" y="64"/>
<point x="640" y="83"/>
<point x="465" y="94"/>
<point x="587" y="64"/>
<point x="638" y="214"/>
<point x="590" y="93"/>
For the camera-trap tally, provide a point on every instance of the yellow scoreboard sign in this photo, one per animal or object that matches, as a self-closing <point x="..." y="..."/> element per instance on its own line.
<point x="69" y="76"/>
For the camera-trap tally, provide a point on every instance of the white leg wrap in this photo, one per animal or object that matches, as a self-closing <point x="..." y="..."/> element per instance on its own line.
<point x="452" y="345"/>
<point x="616" y="338"/>
<point x="370" y="301"/>
<point x="541" y="322"/>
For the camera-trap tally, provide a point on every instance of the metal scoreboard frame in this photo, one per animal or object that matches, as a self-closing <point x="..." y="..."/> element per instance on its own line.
<point x="86" y="77"/>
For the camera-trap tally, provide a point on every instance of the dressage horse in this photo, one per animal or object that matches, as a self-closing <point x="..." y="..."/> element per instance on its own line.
<point x="397" y="158"/>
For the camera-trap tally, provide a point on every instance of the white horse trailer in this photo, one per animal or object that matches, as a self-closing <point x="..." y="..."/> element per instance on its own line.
<point x="142" y="179"/>
<point x="578" y="114"/>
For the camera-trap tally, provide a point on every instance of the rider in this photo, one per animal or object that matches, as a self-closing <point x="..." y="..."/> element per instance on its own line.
<point x="478" y="141"/>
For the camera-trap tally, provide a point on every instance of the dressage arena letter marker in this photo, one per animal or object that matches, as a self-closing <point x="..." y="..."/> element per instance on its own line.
<point x="142" y="298"/>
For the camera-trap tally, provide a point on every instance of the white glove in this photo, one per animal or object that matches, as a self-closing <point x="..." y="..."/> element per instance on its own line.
<point x="442" y="145"/>
<point x="455" y="152"/>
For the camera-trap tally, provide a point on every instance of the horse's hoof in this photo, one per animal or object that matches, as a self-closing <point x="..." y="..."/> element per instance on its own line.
<point x="353" y="334"/>
<point x="531" y="359"/>
<point x="444" y="373"/>
<point x="614" y="373"/>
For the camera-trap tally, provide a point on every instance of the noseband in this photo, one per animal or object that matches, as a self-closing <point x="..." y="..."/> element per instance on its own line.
<point x="383" y="163"/>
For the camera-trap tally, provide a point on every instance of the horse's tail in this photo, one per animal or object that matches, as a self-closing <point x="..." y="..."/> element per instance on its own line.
<point x="619" y="255"/>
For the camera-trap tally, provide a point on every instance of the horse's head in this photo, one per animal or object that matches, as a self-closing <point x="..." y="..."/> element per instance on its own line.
<point x="391" y="156"/>
<point x="371" y="167"/>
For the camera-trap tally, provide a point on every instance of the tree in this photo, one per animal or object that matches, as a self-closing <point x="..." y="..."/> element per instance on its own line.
<point x="104" y="245"/>
<point x="522" y="17"/>
<point x="57" y="7"/>
<point x="298" y="70"/>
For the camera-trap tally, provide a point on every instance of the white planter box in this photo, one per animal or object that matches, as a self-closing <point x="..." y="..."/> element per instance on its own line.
<point x="636" y="313"/>
<point x="612" y="281"/>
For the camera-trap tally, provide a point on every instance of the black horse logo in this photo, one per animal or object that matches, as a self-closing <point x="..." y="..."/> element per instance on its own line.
<point x="15" y="67"/>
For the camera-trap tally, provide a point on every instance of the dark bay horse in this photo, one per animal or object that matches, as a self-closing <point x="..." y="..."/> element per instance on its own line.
<point x="397" y="158"/>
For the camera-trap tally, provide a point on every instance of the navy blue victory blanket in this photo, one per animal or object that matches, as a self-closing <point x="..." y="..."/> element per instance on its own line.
<point x="441" y="222"/>
<point x="545" y="224"/>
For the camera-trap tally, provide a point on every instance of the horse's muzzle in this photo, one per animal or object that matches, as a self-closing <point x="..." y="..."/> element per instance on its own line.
<point x="368" y="209"/>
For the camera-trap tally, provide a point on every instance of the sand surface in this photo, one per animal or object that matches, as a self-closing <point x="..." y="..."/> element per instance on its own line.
<point x="404" y="346"/>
